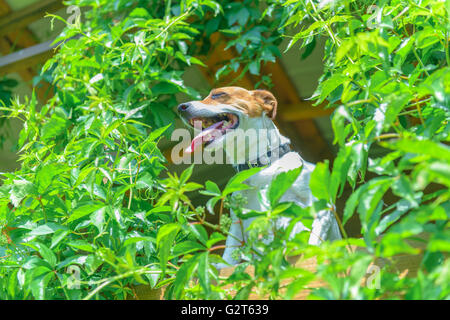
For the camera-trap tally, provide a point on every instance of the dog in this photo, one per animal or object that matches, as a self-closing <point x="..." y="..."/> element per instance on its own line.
<point x="219" y="121"/>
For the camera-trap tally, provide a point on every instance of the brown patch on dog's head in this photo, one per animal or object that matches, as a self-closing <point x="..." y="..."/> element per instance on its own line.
<point x="267" y="101"/>
<point x="224" y="110"/>
<point x="253" y="103"/>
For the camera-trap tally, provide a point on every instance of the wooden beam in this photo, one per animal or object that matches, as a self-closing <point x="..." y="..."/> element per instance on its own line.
<point x="18" y="37"/>
<point x="4" y="8"/>
<point x="22" y="18"/>
<point x="311" y="143"/>
<point x="23" y="38"/>
<point x="25" y="73"/>
<point x="25" y="69"/>
<point x="303" y="111"/>
<point x="26" y="58"/>
<point x="216" y="59"/>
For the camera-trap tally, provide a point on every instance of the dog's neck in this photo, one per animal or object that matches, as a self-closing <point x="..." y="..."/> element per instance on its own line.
<point x="253" y="140"/>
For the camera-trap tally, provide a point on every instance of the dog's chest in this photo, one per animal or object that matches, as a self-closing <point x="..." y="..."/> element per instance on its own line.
<point x="299" y="192"/>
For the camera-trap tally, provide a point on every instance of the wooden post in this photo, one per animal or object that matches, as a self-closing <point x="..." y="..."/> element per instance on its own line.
<point x="14" y="32"/>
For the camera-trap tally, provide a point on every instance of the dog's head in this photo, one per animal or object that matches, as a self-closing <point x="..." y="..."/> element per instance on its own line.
<point x="223" y="111"/>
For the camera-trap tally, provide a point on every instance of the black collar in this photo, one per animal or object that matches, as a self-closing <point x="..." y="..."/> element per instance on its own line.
<point x="266" y="159"/>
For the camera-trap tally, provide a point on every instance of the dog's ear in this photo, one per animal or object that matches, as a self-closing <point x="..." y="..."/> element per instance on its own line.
<point x="267" y="101"/>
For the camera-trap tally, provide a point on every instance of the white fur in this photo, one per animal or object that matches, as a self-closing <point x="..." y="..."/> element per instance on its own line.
<point x="324" y="226"/>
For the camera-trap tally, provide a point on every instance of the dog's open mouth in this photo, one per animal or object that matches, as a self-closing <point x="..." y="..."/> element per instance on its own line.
<point x="212" y="128"/>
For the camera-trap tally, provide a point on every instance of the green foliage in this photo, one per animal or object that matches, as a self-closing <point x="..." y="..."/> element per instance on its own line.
<point x="88" y="215"/>
<point x="87" y="197"/>
<point x="6" y="85"/>
<point x="387" y="72"/>
<point x="5" y="89"/>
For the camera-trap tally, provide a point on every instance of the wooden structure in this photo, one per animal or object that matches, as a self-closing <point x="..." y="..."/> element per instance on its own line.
<point x="20" y="49"/>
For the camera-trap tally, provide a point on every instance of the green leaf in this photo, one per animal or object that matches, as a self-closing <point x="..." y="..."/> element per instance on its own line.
<point x="85" y="172"/>
<point x="253" y="67"/>
<point x="84" y="210"/>
<point x="39" y="280"/>
<point x="320" y="181"/>
<point x="191" y="186"/>
<point x="47" y="254"/>
<point x="46" y="229"/>
<point x="392" y="244"/>
<point x="82" y="245"/>
<point x="158" y="210"/>
<point x="394" y="104"/>
<point x="185" y="247"/>
<point x="45" y="175"/>
<point x="55" y="126"/>
<point x="352" y="203"/>
<point x="339" y="173"/>
<point x="211" y="203"/>
<point x="20" y="190"/>
<point x="370" y="205"/>
<point x="328" y="86"/>
<point x="186" y="174"/>
<point x="439" y="242"/>
<point x="244" y="292"/>
<point x="214" y="238"/>
<point x="358" y="155"/>
<point x="13" y="284"/>
<point x="211" y="189"/>
<point x="281" y="183"/>
<point x="338" y="125"/>
<point x="402" y="187"/>
<point x="164" y="241"/>
<point x="134" y="240"/>
<point x="309" y="48"/>
<point x="198" y="231"/>
<point x="165" y="88"/>
<point x="235" y="183"/>
<point x="344" y="48"/>
<point x="140" y="13"/>
<point x="183" y="275"/>
<point x="157" y="133"/>
<point x="58" y="236"/>
<point x="426" y="147"/>
<point x="203" y="272"/>
<point x="98" y="219"/>
<point x="298" y="284"/>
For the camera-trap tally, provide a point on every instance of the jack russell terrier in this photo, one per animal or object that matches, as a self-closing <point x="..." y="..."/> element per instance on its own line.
<point x="222" y="118"/>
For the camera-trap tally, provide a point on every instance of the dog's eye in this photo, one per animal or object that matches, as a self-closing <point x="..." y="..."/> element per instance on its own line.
<point x="218" y="95"/>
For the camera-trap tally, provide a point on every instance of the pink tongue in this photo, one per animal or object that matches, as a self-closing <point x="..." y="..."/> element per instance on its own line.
<point x="204" y="136"/>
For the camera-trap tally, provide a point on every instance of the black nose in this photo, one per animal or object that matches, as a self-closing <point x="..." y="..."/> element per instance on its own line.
<point x="183" y="106"/>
